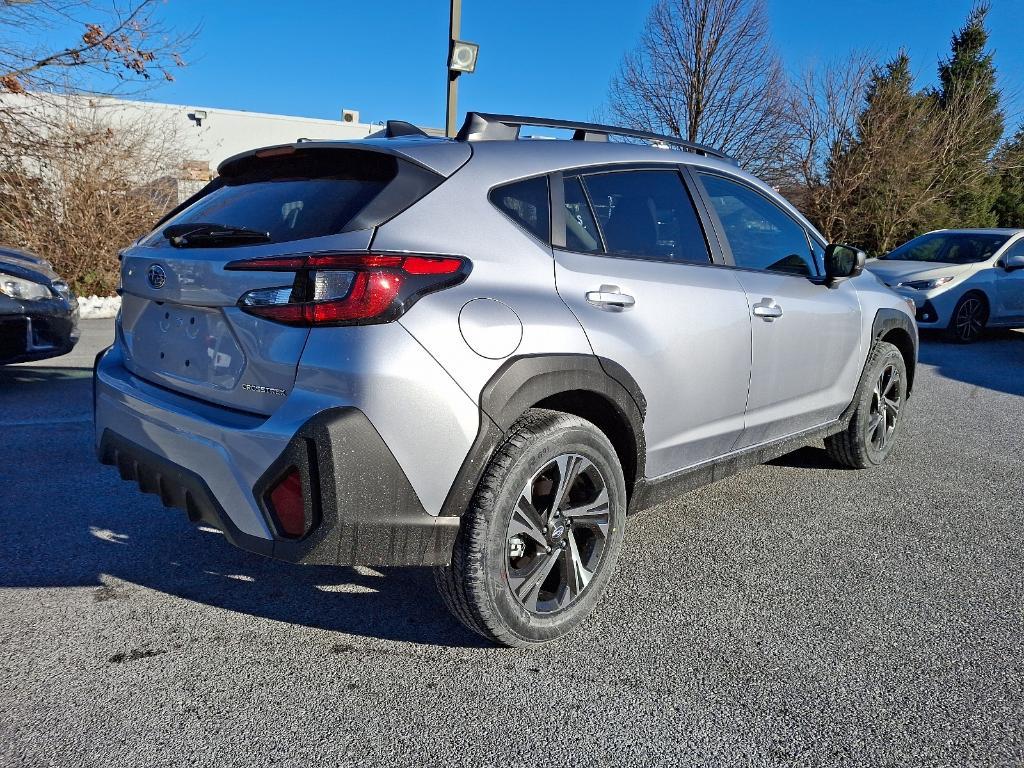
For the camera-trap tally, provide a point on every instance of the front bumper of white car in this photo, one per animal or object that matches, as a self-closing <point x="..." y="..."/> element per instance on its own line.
<point x="932" y="309"/>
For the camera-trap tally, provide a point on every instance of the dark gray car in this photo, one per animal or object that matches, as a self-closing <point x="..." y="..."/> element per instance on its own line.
<point x="38" y="313"/>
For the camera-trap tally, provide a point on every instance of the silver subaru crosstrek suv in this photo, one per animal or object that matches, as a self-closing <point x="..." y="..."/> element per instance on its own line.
<point x="482" y="354"/>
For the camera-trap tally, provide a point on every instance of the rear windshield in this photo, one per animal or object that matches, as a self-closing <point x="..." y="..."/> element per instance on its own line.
<point x="295" y="196"/>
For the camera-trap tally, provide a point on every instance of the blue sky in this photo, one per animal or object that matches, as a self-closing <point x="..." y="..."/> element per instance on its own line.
<point x="386" y="59"/>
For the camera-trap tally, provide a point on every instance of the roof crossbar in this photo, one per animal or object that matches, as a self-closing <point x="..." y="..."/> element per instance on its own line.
<point x="484" y="126"/>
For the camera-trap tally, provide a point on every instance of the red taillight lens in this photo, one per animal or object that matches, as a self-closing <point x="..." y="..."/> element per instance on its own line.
<point x="348" y="288"/>
<point x="422" y="265"/>
<point x="287" y="504"/>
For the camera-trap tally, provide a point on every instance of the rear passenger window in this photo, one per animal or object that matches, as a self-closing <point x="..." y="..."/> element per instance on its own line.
<point x="580" y="228"/>
<point x="761" y="235"/>
<point x="647" y="215"/>
<point x="526" y="203"/>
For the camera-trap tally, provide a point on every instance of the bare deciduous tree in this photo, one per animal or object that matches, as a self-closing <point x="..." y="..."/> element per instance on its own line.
<point x="76" y="180"/>
<point x="118" y="41"/>
<point x="706" y="71"/>
<point x="824" y="105"/>
<point x="94" y="180"/>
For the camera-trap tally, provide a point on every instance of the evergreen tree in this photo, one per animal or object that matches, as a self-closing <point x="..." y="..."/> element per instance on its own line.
<point x="969" y="95"/>
<point x="893" y="156"/>
<point x="1009" y="205"/>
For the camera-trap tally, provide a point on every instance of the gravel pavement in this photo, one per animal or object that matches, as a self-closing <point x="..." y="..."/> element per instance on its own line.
<point x="794" y="615"/>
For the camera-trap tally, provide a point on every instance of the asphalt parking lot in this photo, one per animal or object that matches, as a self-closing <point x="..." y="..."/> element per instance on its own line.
<point x="794" y="615"/>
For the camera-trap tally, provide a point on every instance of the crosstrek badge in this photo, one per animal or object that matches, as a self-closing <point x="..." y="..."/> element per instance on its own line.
<point x="264" y="390"/>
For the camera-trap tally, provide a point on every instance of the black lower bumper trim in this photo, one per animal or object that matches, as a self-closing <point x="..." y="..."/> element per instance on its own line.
<point x="362" y="508"/>
<point x="176" y="487"/>
<point x="927" y="313"/>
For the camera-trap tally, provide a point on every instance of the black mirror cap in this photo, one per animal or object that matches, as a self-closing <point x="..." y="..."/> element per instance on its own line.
<point x="843" y="262"/>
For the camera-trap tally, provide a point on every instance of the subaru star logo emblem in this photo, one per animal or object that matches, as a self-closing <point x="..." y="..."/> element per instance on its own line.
<point x="156" y="276"/>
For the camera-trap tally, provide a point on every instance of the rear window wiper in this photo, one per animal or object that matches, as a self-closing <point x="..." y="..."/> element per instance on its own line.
<point x="197" y="234"/>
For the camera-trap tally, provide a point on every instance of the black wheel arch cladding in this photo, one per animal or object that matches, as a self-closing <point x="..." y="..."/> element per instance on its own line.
<point x="587" y="386"/>
<point x="900" y="330"/>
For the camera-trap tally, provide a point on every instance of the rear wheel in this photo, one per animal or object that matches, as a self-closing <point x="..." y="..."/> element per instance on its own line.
<point x="877" y="418"/>
<point x="970" y="315"/>
<point x="542" y="535"/>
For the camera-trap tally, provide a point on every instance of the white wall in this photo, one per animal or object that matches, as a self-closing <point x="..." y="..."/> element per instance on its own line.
<point x="226" y="132"/>
<point x="223" y="132"/>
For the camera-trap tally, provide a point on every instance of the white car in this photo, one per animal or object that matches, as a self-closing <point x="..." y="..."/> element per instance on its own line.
<point x="961" y="280"/>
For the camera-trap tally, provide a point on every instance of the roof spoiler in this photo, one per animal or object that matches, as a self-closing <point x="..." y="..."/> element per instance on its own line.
<point x="483" y="126"/>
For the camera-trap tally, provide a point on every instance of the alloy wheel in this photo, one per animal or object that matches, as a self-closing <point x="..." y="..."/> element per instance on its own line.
<point x="558" y="533"/>
<point x="970" y="319"/>
<point x="885" y="407"/>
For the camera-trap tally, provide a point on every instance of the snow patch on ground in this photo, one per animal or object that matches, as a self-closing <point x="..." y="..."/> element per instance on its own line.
<point x="95" y="307"/>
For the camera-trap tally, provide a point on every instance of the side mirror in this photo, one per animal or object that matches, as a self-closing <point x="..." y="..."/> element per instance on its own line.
<point x="843" y="262"/>
<point x="1015" y="261"/>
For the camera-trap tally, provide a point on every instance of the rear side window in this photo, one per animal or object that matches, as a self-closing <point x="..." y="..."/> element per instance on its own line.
<point x="298" y="195"/>
<point x="526" y="203"/>
<point x="761" y="235"/>
<point x="647" y="215"/>
<point x="581" y="232"/>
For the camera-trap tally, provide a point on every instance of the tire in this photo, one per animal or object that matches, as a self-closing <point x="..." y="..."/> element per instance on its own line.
<point x="512" y="578"/>
<point x="876" y="421"/>
<point x="970" y="315"/>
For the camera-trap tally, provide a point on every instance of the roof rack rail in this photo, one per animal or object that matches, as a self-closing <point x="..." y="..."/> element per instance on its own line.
<point x="484" y="126"/>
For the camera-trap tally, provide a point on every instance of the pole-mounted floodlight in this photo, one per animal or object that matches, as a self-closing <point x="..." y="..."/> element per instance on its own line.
<point x="462" y="57"/>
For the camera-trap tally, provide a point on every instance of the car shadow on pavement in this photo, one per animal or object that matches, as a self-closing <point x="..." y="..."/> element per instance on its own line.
<point x="808" y="457"/>
<point x="24" y="383"/>
<point x="994" y="362"/>
<point x="35" y="395"/>
<point x="80" y="542"/>
<point x="69" y="522"/>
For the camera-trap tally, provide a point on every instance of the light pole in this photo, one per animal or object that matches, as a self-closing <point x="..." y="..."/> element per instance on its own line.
<point x="461" y="58"/>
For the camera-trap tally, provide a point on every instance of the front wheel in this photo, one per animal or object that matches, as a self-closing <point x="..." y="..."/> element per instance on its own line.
<point x="878" y="413"/>
<point x="541" y="537"/>
<point x="970" y="316"/>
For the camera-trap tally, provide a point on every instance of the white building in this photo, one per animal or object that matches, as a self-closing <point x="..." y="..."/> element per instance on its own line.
<point x="204" y="136"/>
<point x="211" y="134"/>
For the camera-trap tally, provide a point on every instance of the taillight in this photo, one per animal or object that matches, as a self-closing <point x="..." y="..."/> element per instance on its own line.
<point x="287" y="505"/>
<point x="348" y="288"/>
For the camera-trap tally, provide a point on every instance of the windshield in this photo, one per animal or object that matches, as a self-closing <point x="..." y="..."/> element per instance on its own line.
<point x="949" y="248"/>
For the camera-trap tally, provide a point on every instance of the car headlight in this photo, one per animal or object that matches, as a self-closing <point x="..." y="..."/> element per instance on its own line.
<point x="26" y="290"/>
<point x="926" y="285"/>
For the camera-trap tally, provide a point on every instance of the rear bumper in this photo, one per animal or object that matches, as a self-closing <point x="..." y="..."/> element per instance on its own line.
<point x="218" y="466"/>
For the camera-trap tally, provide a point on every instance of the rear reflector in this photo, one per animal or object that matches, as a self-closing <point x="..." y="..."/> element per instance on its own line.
<point x="347" y="288"/>
<point x="287" y="505"/>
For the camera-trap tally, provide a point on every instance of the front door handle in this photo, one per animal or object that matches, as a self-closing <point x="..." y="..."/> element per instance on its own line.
<point x="610" y="297"/>
<point x="767" y="309"/>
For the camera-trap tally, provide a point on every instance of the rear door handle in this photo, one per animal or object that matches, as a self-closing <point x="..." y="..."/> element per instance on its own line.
<point x="767" y="309"/>
<point x="610" y="297"/>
